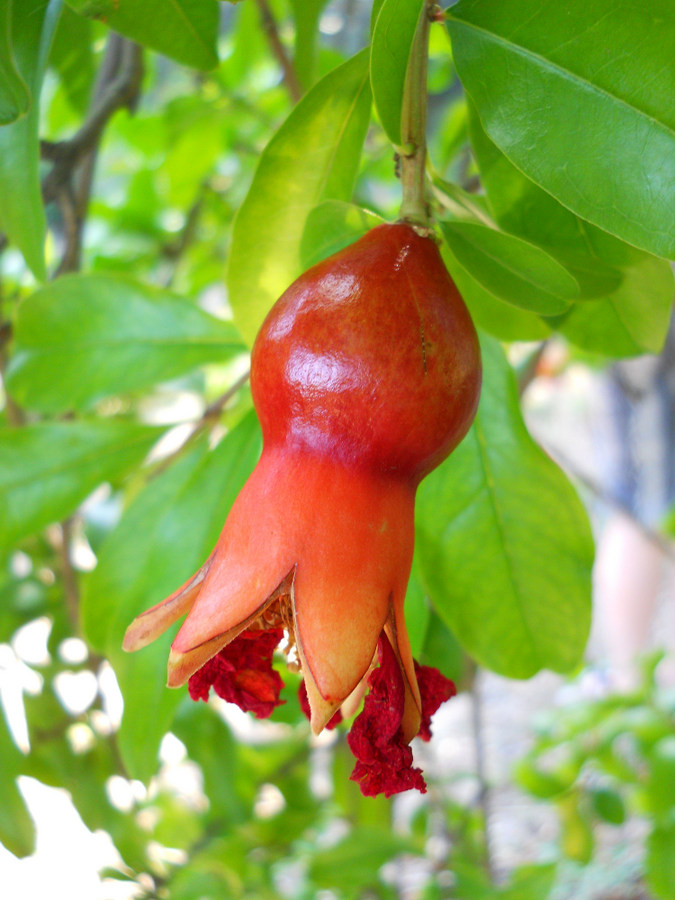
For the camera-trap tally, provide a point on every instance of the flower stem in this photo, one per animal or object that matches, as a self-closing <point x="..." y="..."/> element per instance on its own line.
<point x="413" y="127"/>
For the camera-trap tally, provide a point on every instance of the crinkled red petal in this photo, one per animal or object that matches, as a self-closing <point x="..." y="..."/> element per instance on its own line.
<point x="383" y="759"/>
<point x="242" y="673"/>
<point x="435" y="689"/>
<point x="304" y="706"/>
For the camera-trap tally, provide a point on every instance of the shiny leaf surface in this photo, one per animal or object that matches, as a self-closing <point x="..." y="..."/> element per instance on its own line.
<point x="312" y="157"/>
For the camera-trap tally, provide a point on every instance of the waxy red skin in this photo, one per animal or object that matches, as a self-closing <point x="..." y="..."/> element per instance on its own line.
<point x="365" y="375"/>
<point x="370" y="358"/>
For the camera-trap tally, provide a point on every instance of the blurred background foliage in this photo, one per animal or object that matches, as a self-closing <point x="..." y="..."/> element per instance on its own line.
<point x="133" y="137"/>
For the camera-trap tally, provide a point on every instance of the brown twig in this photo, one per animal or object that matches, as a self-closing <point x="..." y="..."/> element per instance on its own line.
<point x="211" y="413"/>
<point x="173" y="250"/>
<point x="271" y="28"/>
<point x="73" y="161"/>
<point x="529" y="372"/>
<point x="216" y="406"/>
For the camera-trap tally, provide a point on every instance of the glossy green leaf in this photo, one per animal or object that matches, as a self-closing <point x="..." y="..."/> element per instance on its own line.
<point x="185" y="30"/>
<point x="522" y="207"/>
<point x="47" y="469"/>
<point x="312" y="157"/>
<point x="164" y="536"/>
<point x="504" y="543"/>
<point x="17" y="831"/>
<point x="500" y="319"/>
<point x="22" y="216"/>
<point x="631" y="291"/>
<point x="390" y="48"/>
<point x="14" y="93"/>
<point x="331" y="226"/>
<point x="560" y="105"/>
<point x="634" y="319"/>
<point x="84" y="337"/>
<point x="511" y="268"/>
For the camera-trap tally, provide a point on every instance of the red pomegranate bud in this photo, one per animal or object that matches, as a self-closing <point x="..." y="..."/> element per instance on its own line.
<point x="365" y="376"/>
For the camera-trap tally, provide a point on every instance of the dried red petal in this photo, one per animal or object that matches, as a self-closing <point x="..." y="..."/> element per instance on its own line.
<point x="435" y="689"/>
<point x="384" y="760"/>
<point x="242" y="673"/>
<point x="304" y="706"/>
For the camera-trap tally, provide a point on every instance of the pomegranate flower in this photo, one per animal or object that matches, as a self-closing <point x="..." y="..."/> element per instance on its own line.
<point x="365" y="375"/>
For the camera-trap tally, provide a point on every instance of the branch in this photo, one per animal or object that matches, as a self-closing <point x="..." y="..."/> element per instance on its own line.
<point x="70" y="179"/>
<point x="269" y="24"/>
<point x="210" y="414"/>
<point x="118" y="86"/>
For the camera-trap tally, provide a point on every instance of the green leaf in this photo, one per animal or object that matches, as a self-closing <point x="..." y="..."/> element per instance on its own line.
<point x="165" y="535"/>
<point x="72" y="57"/>
<point x="306" y="14"/>
<point x="442" y="651"/>
<point x="14" y="93"/>
<point x="532" y="882"/>
<point x="537" y="782"/>
<point x="631" y="290"/>
<point x="22" y="215"/>
<point x="312" y="157"/>
<point x="660" y="856"/>
<point x="47" y="469"/>
<point x="510" y="268"/>
<point x="331" y="226"/>
<point x="634" y="319"/>
<point x="210" y="744"/>
<point x="185" y="30"/>
<point x="504" y="542"/>
<point x="84" y="337"/>
<point x="417" y="612"/>
<point x="390" y="48"/>
<point x="576" y="837"/>
<point x="17" y="831"/>
<point x="660" y="787"/>
<point x="503" y="320"/>
<point x="594" y="128"/>
<point x="609" y="805"/>
<point x="522" y="207"/>
<point x="353" y="863"/>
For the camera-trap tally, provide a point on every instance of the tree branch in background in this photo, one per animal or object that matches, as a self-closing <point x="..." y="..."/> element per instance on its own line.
<point x="271" y="29"/>
<point x="69" y="181"/>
